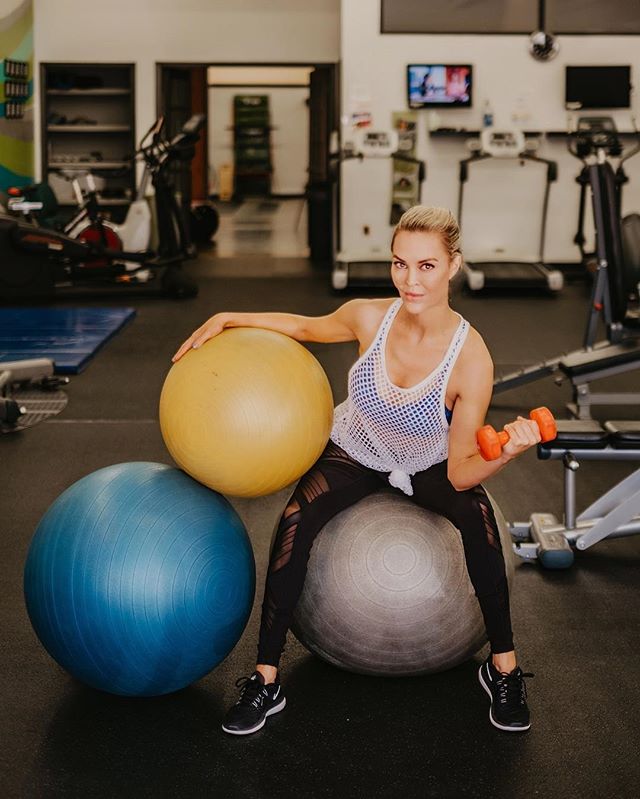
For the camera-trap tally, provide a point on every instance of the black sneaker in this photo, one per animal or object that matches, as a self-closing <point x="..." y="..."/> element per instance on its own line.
<point x="256" y="702"/>
<point x="508" y="694"/>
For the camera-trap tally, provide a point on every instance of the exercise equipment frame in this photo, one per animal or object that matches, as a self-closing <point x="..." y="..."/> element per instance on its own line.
<point x="616" y="514"/>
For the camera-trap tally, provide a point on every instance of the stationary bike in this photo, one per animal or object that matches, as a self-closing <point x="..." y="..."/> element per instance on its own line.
<point x="89" y="224"/>
<point x="35" y="261"/>
<point x="38" y="205"/>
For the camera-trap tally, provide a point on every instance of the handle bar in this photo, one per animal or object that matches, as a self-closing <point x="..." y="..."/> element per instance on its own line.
<point x="153" y="134"/>
<point x="158" y="152"/>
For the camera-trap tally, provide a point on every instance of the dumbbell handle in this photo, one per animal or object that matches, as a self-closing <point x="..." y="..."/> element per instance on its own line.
<point x="490" y="443"/>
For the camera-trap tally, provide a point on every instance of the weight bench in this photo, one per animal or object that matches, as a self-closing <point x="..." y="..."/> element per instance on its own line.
<point x="600" y="362"/>
<point x="582" y="367"/>
<point x="614" y="515"/>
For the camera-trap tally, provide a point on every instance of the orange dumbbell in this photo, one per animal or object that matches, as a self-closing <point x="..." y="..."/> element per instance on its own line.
<point x="491" y="443"/>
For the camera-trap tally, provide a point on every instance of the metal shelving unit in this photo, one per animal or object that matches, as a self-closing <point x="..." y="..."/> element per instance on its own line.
<point x="88" y="123"/>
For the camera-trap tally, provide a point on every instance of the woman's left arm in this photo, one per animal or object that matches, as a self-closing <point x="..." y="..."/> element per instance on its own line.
<point x="474" y="381"/>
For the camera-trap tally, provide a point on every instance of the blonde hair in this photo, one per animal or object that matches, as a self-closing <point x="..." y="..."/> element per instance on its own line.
<point x="431" y="219"/>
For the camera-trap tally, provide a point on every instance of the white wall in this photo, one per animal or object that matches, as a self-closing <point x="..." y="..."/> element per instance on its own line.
<point x="497" y="216"/>
<point x="289" y="137"/>
<point x="150" y="31"/>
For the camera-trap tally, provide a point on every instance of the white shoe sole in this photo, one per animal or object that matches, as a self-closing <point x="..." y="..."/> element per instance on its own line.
<point x="491" y="719"/>
<point x="276" y="709"/>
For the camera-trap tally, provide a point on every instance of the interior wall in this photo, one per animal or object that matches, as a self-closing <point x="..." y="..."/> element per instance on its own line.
<point x="521" y="91"/>
<point x="289" y="137"/>
<point x="146" y="32"/>
<point x="16" y="135"/>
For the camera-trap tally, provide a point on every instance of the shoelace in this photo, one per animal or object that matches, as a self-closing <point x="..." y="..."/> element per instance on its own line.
<point x="512" y="688"/>
<point x="252" y="692"/>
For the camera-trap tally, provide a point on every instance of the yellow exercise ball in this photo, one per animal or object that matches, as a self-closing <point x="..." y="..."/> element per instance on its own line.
<point x="246" y="413"/>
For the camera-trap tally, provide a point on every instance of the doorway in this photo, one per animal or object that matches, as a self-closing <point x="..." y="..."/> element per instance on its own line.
<point x="269" y="174"/>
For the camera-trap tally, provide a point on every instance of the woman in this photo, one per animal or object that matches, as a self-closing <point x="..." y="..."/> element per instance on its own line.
<point x="417" y="395"/>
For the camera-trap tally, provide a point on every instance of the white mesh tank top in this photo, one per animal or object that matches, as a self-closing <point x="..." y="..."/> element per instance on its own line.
<point x="393" y="429"/>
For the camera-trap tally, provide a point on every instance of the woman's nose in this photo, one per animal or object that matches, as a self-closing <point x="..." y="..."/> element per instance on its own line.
<point x="412" y="277"/>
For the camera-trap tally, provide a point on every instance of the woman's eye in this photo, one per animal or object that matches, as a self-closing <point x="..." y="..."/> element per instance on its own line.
<point x="427" y="266"/>
<point x="398" y="264"/>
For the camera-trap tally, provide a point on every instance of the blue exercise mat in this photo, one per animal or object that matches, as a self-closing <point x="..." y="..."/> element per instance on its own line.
<point x="68" y="336"/>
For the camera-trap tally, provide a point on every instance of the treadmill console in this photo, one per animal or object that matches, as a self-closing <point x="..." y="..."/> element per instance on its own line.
<point x="502" y="143"/>
<point x="375" y="143"/>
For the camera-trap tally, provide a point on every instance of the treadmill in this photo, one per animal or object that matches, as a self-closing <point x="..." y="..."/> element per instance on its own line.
<point x="369" y="266"/>
<point x="523" y="274"/>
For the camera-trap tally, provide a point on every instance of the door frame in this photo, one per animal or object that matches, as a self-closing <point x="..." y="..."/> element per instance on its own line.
<point x="331" y="68"/>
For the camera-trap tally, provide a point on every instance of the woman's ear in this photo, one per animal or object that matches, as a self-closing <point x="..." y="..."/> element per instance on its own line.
<point x="455" y="265"/>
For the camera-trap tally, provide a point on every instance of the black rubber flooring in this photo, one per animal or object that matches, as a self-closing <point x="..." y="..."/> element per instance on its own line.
<point x="341" y="735"/>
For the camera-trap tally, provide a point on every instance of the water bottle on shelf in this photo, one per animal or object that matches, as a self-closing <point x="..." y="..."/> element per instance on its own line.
<point x="487" y="115"/>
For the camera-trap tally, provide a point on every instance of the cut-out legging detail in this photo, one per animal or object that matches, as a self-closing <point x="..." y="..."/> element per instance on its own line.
<point x="334" y="483"/>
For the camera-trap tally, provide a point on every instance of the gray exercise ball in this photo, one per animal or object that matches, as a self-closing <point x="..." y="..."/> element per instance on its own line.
<point x="387" y="591"/>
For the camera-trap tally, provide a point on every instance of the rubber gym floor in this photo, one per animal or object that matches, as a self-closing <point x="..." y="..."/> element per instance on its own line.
<point x="341" y="735"/>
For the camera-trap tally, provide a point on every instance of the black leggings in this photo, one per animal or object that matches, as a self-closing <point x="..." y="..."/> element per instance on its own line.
<point x="334" y="483"/>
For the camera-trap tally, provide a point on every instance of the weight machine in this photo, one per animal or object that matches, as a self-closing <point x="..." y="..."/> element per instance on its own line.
<point x="616" y="514"/>
<point x="614" y="296"/>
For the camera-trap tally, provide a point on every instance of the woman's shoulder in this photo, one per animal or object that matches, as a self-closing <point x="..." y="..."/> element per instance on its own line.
<point x="472" y="375"/>
<point x="373" y="306"/>
<point x="367" y="316"/>
<point x="475" y="350"/>
<point x="368" y="313"/>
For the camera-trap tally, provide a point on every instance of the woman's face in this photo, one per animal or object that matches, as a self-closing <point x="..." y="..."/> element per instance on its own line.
<point x="421" y="269"/>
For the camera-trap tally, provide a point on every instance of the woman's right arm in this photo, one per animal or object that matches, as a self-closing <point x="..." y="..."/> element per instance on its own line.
<point x="341" y="325"/>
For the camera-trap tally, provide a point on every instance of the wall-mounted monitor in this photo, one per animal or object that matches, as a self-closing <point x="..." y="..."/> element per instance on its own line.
<point x="598" y="87"/>
<point x="439" y="85"/>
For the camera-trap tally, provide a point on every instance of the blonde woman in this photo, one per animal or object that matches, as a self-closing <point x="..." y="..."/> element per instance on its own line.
<point x="417" y="394"/>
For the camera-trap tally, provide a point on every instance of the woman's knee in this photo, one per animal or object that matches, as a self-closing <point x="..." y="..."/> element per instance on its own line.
<point x="469" y="504"/>
<point x="472" y="509"/>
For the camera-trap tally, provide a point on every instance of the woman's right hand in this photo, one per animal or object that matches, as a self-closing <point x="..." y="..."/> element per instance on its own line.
<point x="212" y="327"/>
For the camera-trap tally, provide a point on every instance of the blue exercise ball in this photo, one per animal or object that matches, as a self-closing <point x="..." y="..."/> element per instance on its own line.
<point x="139" y="580"/>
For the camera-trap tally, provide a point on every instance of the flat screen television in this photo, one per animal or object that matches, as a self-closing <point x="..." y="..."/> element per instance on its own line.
<point x="598" y="87"/>
<point x="439" y="85"/>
